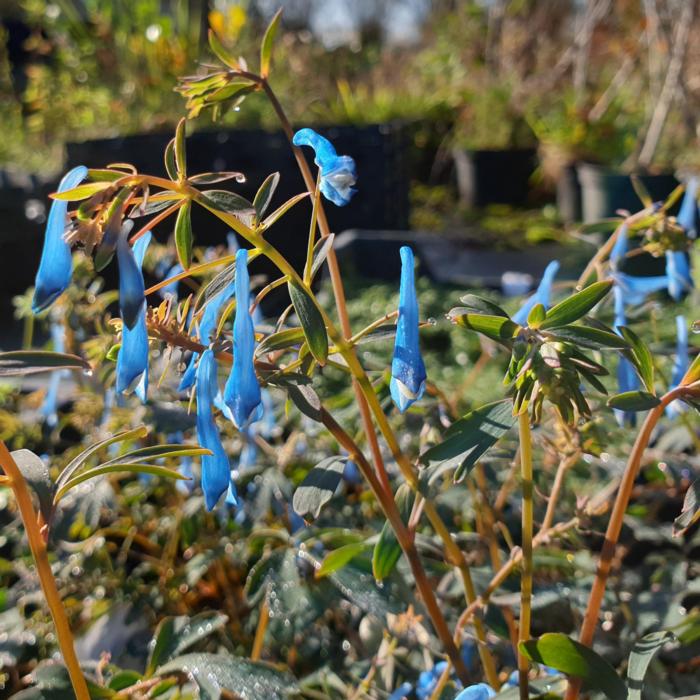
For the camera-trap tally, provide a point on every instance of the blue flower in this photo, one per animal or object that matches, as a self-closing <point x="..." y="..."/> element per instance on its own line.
<point x="678" y="273"/>
<point x="56" y="266"/>
<point x="338" y="173"/>
<point x="480" y="691"/>
<point x="131" y="288"/>
<point x="619" y="250"/>
<point x="635" y="290"/>
<point x="132" y="360"/>
<point x="401" y="692"/>
<point x="49" y="408"/>
<point x="688" y="213"/>
<point x="407" y="369"/>
<point x="541" y="296"/>
<point x="427" y="680"/>
<point x="170" y="290"/>
<point x="627" y="379"/>
<point x="681" y="362"/>
<point x="207" y="326"/>
<point x="216" y="471"/>
<point x="242" y="391"/>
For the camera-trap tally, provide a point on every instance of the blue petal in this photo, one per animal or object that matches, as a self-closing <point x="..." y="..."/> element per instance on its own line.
<point x="56" y="266"/>
<point x="407" y="369"/>
<point x="619" y="250"/>
<point x="242" y="392"/>
<point x="401" y="692"/>
<point x="132" y="360"/>
<point x="688" y="213"/>
<point x="681" y="362"/>
<point x="541" y="296"/>
<point x="635" y="290"/>
<point x="480" y="691"/>
<point x="171" y="289"/>
<point x="338" y="173"/>
<point x="216" y="471"/>
<point x="678" y="273"/>
<point x="131" y="287"/>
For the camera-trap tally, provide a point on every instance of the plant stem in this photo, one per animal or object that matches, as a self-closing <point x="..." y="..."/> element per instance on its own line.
<point x="37" y="546"/>
<point x="607" y="554"/>
<point x="526" y="546"/>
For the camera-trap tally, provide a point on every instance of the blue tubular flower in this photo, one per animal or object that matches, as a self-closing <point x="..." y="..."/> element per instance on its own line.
<point x="50" y="405"/>
<point x="427" y="680"/>
<point x="480" y="691"/>
<point x="635" y="290"/>
<point x="131" y="287"/>
<point x="627" y="378"/>
<point x="407" y="369"/>
<point x="619" y="250"/>
<point x="242" y="391"/>
<point x="541" y="296"/>
<point x="171" y="289"/>
<point x="688" y="214"/>
<point x="216" y="471"/>
<point x="678" y="273"/>
<point x="681" y="362"/>
<point x="401" y="692"/>
<point x="132" y="360"/>
<point x="56" y="266"/>
<point x="338" y="173"/>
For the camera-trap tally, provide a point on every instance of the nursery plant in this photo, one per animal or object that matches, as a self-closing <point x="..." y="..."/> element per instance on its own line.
<point x="377" y="516"/>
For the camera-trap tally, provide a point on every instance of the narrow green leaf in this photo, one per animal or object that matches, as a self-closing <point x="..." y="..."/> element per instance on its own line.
<point x="267" y="42"/>
<point x="229" y="202"/>
<point x="311" y="321"/>
<point x="641" y="191"/>
<point x="603" y="226"/>
<point x="183" y="235"/>
<point x="387" y="551"/>
<point x="132" y="467"/>
<point x="640" y="356"/>
<point x="305" y="398"/>
<point x="537" y="314"/>
<point x="19" y="362"/>
<point x="568" y="656"/>
<point x="690" y="377"/>
<point x="81" y="191"/>
<point x="690" y="513"/>
<point x="169" y="157"/>
<point x="641" y="655"/>
<point x="633" y="401"/>
<point x="498" y="328"/>
<point x="220" y="52"/>
<point x="180" y="151"/>
<point x="340" y="557"/>
<point x="146" y="454"/>
<point x="104" y="175"/>
<point x="476" y="305"/>
<point x="288" y="338"/>
<point x="468" y="439"/>
<point x="264" y="195"/>
<point x="283" y="209"/>
<point x="321" y="250"/>
<point x="318" y="487"/>
<point x="212" y="178"/>
<point x="577" y="305"/>
<point x="587" y="337"/>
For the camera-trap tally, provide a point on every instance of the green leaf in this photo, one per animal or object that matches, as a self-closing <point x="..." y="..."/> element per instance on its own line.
<point x="183" y="235"/>
<point x="220" y="52"/>
<point x="169" y="157"/>
<point x="319" y="486"/>
<point x="80" y="461"/>
<point x="113" y="353"/>
<point x="117" y="468"/>
<point x="387" y="551"/>
<point x="229" y="202"/>
<point x="212" y="178"/>
<point x="306" y="400"/>
<point x="468" y="439"/>
<point x="587" y="337"/>
<point x="174" y="635"/>
<point x="288" y="338"/>
<point x="690" y="377"/>
<point x="124" y="679"/>
<point x="164" y="451"/>
<point x="340" y="557"/>
<point x="476" y="305"/>
<point x="263" y="197"/>
<point x="384" y="332"/>
<point x="577" y="305"/>
<point x="633" y="401"/>
<point x="690" y="513"/>
<point x="640" y="657"/>
<point x="311" y="321"/>
<point x="603" y="226"/>
<point x="283" y="209"/>
<point x="498" y="328"/>
<point x="36" y="474"/>
<point x="20" y="362"/>
<point x="321" y="250"/>
<point x="640" y="356"/>
<point x="82" y="191"/>
<point x="566" y="655"/>
<point x="537" y="314"/>
<point x="249" y="680"/>
<point x="641" y="191"/>
<point x="180" y="151"/>
<point x="266" y="46"/>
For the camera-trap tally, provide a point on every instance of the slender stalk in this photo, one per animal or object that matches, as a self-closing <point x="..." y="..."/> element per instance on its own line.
<point x="564" y="465"/>
<point x="526" y="546"/>
<point x="612" y="534"/>
<point x="260" y="631"/>
<point x="37" y="546"/>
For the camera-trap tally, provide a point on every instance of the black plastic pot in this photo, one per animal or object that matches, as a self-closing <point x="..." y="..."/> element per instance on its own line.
<point x="604" y="191"/>
<point x="494" y="176"/>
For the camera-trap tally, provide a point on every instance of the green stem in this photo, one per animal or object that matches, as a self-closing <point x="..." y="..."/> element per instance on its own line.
<point x="526" y="546"/>
<point x="37" y="546"/>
